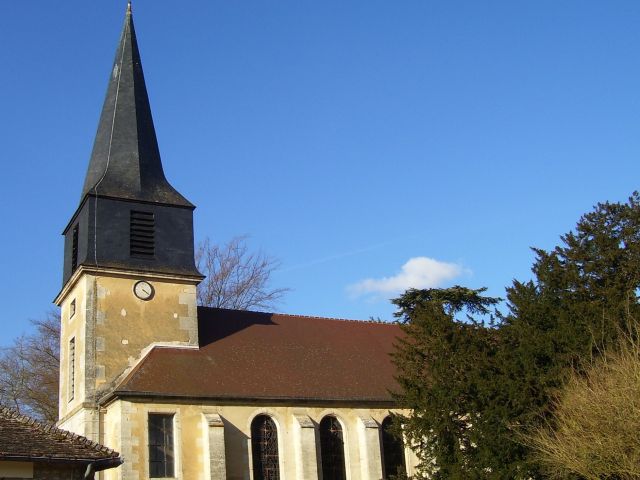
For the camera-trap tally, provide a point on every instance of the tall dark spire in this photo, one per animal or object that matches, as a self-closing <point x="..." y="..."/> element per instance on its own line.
<point x="129" y="218"/>
<point x="125" y="162"/>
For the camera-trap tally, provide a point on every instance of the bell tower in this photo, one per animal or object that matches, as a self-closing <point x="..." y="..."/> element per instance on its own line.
<point x="129" y="276"/>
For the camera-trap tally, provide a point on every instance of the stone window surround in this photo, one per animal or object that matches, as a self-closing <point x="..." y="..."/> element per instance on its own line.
<point x="177" y="441"/>
<point x="346" y="434"/>
<point x="279" y="428"/>
<point x="405" y="450"/>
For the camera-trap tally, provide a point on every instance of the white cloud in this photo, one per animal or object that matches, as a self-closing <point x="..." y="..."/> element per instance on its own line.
<point x="418" y="272"/>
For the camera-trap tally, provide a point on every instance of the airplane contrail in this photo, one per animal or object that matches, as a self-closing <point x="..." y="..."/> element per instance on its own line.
<point x="338" y="256"/>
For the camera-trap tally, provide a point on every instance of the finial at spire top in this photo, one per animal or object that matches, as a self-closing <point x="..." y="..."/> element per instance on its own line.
<point x="129" y="6"/>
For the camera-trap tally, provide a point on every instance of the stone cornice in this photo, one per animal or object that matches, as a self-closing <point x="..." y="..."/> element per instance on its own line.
<point x="123" y="273"/>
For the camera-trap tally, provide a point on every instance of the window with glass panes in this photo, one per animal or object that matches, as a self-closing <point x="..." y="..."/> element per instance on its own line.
<point x="332" y="449"/>
<point x="161" y="456"/>
<point x="392" y="450"/>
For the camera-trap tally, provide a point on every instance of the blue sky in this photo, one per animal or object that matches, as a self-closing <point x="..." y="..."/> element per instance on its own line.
<point x="348" y="139"/>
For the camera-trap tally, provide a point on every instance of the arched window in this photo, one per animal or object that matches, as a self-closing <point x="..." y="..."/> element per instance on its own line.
<point x="332" y="449"/>
<point x="264" y="446"/>
<point x="392" y="450"/>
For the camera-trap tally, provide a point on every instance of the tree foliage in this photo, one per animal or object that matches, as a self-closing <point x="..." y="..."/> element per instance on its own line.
<point x="445" y="367"/>
<point x="477" y="390"/>
<point x="236" y="278"/>
<point x="29" y="370"/>
<point x="450" y="300"/>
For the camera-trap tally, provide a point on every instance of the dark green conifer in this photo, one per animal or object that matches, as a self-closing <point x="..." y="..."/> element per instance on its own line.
<point x="475" y="388"/>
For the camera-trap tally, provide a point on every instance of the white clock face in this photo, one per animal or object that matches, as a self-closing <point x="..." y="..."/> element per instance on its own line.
<point x="143" y="290"/>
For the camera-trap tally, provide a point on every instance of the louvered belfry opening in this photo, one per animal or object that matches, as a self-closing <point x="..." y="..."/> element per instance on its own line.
<point x="142" y="234"/>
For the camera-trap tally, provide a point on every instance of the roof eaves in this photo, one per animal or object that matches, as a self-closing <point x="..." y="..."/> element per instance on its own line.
<point x="100" y="464"/>
<point x="273" y="398"/>
<point x="79" y="440"/>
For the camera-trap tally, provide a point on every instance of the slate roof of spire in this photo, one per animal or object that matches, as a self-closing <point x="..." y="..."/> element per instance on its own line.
<point x="25" y="439"/>
<point x="125" y="162"/>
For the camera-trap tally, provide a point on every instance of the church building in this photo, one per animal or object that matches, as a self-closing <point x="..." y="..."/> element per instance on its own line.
<point x="190" y="392"/>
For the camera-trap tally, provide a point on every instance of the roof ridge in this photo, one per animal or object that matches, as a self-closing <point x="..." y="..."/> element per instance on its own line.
<point x="47" y="427"/>
<point x="335" y="319"/>
<point x="294" y="315"/>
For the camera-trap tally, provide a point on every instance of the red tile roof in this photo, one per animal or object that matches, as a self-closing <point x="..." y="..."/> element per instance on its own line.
<point x="253" y="355"/>
<point x="23" y="438"/>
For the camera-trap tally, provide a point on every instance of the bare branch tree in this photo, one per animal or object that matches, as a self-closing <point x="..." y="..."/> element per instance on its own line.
<point x="29" y="370"/>
<point x="236" y="278"/>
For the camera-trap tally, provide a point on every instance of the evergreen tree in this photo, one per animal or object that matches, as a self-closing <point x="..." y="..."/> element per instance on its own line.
<point x="583" y="295"/>
<point x="445" y="365"/>
<point x="476" y="389"/>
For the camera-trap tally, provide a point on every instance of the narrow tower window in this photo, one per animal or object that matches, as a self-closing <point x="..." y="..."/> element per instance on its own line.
<point x="332" y="449"/>
<point x="74" y="249"/>
<point x="72" y="368"/>
<point x="161" y="461"/>
<point x="392" y="450"/>
<point x="264" y="447"/>
<point x="142" y="234"/>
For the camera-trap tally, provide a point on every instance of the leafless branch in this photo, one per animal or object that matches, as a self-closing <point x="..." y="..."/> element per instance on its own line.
<point x="29" y="370"/>
<point x="236" y="278"/>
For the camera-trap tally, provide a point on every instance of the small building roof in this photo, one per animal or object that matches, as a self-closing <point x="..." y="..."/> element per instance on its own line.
<point x="267" y="356"/>
<point x="24" y="439"/>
